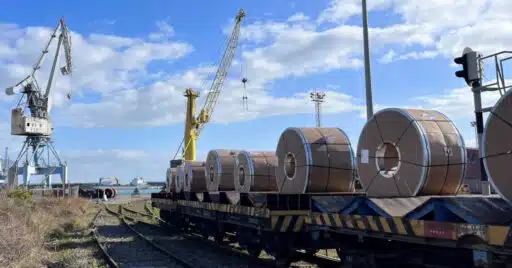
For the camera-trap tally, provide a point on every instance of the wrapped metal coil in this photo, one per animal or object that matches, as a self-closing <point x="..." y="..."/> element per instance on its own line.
<point x="180" y="179"/>
<point x="255" y="171"/>
<point x="219" y="170"/>
<point x="314" y="160"/>
<point x="170" y="179"/>
<point x="195" y="180"/>
<point x="497" y="146"/>
<point x="407" y="152"/>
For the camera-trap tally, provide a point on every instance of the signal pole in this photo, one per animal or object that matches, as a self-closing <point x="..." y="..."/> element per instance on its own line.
<point x="472" y="74"/>
<point x="317" y="97"/>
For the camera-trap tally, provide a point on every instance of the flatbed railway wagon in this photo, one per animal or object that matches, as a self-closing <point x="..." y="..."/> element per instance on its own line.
<point x="302" y="197"/>
<point x="459" y="231"/>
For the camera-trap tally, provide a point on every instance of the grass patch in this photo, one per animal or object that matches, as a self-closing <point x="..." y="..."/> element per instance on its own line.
<point x="47" y="232"/>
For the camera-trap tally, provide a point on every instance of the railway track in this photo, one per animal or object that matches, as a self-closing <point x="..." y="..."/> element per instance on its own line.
<point x="181" y="248"/>
<point x="232" y="249"/>
<point x="123" y="246"/>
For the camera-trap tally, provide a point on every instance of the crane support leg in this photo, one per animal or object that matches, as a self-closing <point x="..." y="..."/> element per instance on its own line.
<point x="42" y="159"/>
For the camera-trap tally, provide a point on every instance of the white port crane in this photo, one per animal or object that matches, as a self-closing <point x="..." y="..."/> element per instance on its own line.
<point x="37" y="126"/>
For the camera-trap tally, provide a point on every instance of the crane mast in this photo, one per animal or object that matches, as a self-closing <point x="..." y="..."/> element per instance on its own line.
<point x="194" y="125"/>
<point x="36" y="126"/>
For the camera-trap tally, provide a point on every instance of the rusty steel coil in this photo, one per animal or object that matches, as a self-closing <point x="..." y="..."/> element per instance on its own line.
<point x="497" y="146"/>
<point x="219" y="170"/>
<point x="180" y="179"/>
<point x="314" y="160"/>
<point x="195" y="180"/>
<point x="255" y="171"/>
<point x="407" y="152"/>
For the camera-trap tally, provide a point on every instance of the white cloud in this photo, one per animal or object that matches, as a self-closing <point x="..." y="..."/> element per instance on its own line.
<point x="392" y="56"/>
<point x="102" y="63"/>
<point x="484" y="25"/>
<point x="165" y="31"/>
<point x="458" y="103"/>
<point x="131" y="96"/>
<point x="263" y="105"/>
<point x="298" y="17"/>
<point x="115" y="68"/>
<point x="341" y="10"/>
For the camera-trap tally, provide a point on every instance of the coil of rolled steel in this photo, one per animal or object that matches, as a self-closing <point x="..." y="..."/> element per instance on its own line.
<point x="314" y="160"/>
<point x="219" y="170"/>
<point x="497" y="146"/>
<point x="255" y="171"/>
<point x="174" y="178"/>
<point x="170" y="179"/>
<point x="179" y="179"/>
<point x="408" y="152"/>
<point x="195" y="180"/>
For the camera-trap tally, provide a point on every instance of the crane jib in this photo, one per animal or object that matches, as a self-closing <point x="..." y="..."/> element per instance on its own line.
<point x="194" y="126"/>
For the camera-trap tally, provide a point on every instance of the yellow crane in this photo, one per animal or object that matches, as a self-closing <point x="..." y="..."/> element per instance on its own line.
<point x="194" y="125"/>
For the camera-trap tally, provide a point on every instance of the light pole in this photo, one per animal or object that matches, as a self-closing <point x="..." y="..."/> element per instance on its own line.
<point x="367" y="69"/>
<point x="317" y="98"/>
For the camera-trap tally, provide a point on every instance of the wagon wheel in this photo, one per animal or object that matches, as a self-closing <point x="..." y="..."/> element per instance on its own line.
<point x="254" y="250"/>
<point x="283" y="258"/>
<point x="219" y="237"/>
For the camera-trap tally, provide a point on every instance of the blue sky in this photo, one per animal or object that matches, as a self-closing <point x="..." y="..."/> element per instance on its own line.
<point x="133" y="61"/>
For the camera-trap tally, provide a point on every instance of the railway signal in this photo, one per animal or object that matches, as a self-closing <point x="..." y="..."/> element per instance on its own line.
<point x="470" y="62"/>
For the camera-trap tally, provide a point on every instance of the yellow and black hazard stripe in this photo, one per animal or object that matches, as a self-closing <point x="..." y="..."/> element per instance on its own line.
<point x="500" y="235"/>
<point x="287" y="223"/>
<point x="494" y="235"/>
<point x="366" y="223"/>
<point x="233" y="209"/>
<point x="250" y="211"/>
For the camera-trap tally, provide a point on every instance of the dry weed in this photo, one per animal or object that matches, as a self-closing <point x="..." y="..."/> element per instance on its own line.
<point x="26" y="225"/>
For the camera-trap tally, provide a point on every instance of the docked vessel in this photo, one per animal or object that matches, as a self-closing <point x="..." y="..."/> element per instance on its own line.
<point x="139" y="182"/>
